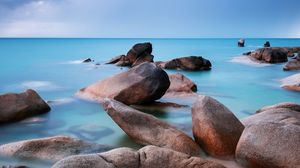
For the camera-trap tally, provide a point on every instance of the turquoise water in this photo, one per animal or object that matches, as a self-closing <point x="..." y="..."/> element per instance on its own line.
<point x="50" y="67"/>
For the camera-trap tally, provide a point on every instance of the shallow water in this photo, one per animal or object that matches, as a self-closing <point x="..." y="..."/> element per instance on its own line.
<point x="51" y="66"/>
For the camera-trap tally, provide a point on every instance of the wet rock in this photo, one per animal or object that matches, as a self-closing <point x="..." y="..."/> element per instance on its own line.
<point x="267" y="44"/>
<point x="147" y="157"/>
<point x="87" y="60"/>
<point x="270" y="139"/>
<point x="141" y="84"/>
<point x="138" y="54"/>
<point x="180" y="83"/>
<point x="190" y="63"/>
<point x="16" y="107"/>
<point x="147" y="130"/>
<point x="241" y="43"/>
<point x="270" y="55"/>
<point x="215" y="127"/>
<point x="140" y="60"/>
<point x="287" y="105"/>
<point x="291" y="83"/>
<point x="292" y="65"/>
<point x="50" y="149"/>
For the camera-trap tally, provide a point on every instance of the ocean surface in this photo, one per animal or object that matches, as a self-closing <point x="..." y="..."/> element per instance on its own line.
<point x="52" y="67"/>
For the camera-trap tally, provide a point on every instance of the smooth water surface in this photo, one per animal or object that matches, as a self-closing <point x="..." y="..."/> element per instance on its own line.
<point x="51" y="67"/>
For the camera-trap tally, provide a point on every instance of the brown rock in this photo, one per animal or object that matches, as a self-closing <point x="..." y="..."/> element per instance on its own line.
<point x="139" y="50"/>
<point x="191" y="63"/>
<point x="140" y="60"/>
<point x="288" y="105"/>
<point x="115" y="59"/>
<point x="292" y="65"/>
<point x="215" y="127"/>
<point x="270" y="55"/>
<point x="15" y="107"/>
<point x="50" y="149"/>
<point x="291" y="83"/>
<point x="270" y="139"/>
<point x="147" y="130"/>
<point x="147" y="157"/>
<point x="141" y="84"/>
<point x="180" y="83"/>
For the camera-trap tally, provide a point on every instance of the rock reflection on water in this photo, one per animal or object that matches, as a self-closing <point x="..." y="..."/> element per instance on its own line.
<point x="90" y="132"/>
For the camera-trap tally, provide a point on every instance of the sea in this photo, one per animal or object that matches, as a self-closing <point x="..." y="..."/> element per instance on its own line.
<point x="53" y="67"/>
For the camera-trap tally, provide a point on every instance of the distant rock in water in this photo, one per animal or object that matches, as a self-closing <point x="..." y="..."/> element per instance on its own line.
<point x="51" y="148"/>
<point x="270" y="55"/>
<point x="138" y="54"/>
<point x="16" y="107"/>
<point x="267" y="44"/>
<point x="273" y="54"/>
<point x="146" y="157"/>
<point x="87" y="60"/>
<point x="141" y="84"/>
<point x="291" y="82"/>
<point x="241" y="43"/>
<point x="190" y="63"/>
<point x="292" y="65"/>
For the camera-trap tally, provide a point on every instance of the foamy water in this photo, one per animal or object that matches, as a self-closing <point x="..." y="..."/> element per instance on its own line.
<point x="247" y="60"/>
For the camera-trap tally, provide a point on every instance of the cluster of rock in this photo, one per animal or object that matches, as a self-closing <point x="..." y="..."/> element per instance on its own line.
<point x="141" y="52"/>
<point x="138" y="54"/>
<point x="273" y="54"/>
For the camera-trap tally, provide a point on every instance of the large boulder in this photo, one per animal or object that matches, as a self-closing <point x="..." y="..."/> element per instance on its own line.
<point x="291" y="83"/>
<point x="190" y="63"/>
<point x="180" y="83"/>
<point x="215" y="127"/>
<point x="139" y="53"/>
<point x="147" y="157"/>
<point x="288" y="105"/>
<point x="270" y="55"/>
<point x="50" y="149"/>
<point x="270" y="139"/>
<point x="292" y="65"/>
<point x="15" y="107"/>
<point x="147" y="130"/>
<point x="141" y="84"/>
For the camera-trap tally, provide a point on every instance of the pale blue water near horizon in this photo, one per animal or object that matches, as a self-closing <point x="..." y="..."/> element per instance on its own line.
<point x="51" y="67"/>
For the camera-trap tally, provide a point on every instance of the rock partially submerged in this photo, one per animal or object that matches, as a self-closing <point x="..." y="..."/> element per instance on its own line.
<point x="273" y="54"/>
<point x="147" y="130"/>
<point x="267" y="44"/>
<point x="180" y="83"/>
<point x="291" y="82"/>
<point x="270" y="139"/>
<point x="241" y="43"/>
<point x="292" y="65"/>
<point x="50" y="149"/>
<point x="141" y="84"/>
<point x="287" y="105"/>
<point x="147" y="157"/>
<point x="270" y="55"/>
<point x="215" y="127"/>
<point x="138" y="54"/>
<point x="16" y="107"/>
<point x="190" y="63"/>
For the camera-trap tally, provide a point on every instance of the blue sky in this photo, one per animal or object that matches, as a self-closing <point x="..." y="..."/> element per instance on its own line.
<point x="150" y="18"/>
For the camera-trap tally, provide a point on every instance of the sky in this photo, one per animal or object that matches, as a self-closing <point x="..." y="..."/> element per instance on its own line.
<point x="150" y="18"/>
